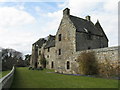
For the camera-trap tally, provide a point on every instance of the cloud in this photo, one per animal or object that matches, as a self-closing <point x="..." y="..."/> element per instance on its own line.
<point x="15" y="28"/>
<point x="49" y="23"/>
<point x="16" y="39"/>
<point x="10" y="16"/>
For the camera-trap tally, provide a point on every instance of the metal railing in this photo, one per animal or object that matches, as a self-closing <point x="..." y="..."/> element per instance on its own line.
<point x="6" y="81"/>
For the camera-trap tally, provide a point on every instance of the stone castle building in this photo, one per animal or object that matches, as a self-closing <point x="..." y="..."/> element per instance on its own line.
<point x="73" y="36"/>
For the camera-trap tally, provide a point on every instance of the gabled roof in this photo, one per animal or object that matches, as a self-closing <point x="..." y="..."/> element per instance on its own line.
<point x="98" y="26"/>
<point x="83" y="25"/>
<point x="50" y="42"/>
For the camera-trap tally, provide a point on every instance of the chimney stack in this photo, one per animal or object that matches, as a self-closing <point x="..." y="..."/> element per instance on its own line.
<point x="66" y="11"/>
<point x="88" y="18"/>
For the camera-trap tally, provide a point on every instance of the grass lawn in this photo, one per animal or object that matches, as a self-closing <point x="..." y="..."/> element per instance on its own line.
<point x="3" y="73"/>
<point x="25" y="78"/>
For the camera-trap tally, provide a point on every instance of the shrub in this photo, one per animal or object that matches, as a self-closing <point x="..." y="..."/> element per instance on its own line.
<point x="87" y="63"/>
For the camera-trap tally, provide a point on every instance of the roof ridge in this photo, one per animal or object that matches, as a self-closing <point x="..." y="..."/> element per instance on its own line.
<point x="78" y="17"/>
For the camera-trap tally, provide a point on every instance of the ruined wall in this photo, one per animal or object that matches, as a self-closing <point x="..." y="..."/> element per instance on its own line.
<point x="34" y="56"/>
<point x="39" y="57"/>
<point x="50" y="57"/>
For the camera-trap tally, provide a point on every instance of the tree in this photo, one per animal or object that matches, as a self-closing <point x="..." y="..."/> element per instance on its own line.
<point x="10" y="57"/>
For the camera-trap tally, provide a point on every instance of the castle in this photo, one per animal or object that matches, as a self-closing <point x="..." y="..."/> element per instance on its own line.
<point x="73" y="36"/>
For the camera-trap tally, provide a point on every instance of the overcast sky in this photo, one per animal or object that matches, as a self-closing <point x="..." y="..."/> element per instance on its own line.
<point x="23" y="23"/>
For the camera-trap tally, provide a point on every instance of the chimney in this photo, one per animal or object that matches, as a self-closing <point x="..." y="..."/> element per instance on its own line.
<point x="66" y="11"/>
<point x="88" y="18"/>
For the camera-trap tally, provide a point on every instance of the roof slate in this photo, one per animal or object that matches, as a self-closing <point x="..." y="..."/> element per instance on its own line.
<point x="82" y="25"/>
<point x="50" y="42"/>
<point x="40" y="42"/>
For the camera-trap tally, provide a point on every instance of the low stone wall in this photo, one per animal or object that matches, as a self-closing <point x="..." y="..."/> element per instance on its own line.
<point x="107" y="58"/>
<point x="6" y="81"/>
<point x="110" y="53"/>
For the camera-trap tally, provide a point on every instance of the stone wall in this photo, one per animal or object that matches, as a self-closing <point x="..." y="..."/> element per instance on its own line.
<point x="67" y="44"/>
<point x="50" y="57"/>
<point x="110" y="54"/>
<point x="107" y="59"/>
<point x="34" y="56"/>
<point x="84" y="42"/>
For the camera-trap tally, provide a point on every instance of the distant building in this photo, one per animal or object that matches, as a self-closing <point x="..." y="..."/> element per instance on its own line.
<point x="74" y="34"/>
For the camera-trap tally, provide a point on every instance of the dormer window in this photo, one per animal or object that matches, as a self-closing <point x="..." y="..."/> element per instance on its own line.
<point x="59" y="37"/>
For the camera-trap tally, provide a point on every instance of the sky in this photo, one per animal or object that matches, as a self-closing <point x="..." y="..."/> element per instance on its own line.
<point x="24" y="22"/>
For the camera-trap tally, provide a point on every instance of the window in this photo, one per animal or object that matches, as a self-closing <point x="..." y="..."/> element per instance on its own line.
<point x="47" y="56"/>
<point x="52" y="64"/>
<point x="48" y="49"/>
<point x="68" y="65"/>
<point x="59" y="37"/>
<point x="59" y="53"/>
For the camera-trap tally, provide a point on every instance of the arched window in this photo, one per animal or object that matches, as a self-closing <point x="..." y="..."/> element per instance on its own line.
<point x="68" y="65"/>
<point x="59" y="37"/>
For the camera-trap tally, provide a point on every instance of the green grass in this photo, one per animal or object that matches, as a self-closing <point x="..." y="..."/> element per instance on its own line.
<point x="25" y="78"/>
<point x="3" y="73"/>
